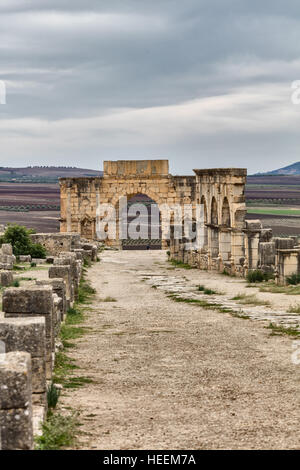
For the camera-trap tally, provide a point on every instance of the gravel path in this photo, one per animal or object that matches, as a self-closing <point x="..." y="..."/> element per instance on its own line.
<point x="170" y="375"/>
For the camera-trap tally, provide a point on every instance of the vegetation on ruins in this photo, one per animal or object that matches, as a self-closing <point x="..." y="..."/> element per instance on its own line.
<point x="281" y="330"/>
<point x="258" y="275"/>
<point x="180" y="264"/>
<point x="19" y="237"/>
<point x="58" y="431"/>
<point x="294" y="279"/>
<point x="250" y="300"/>
<point x="294" y="308"/>
<point x="52" y="395"/>
<point x="207" y="291"/>
<point x="276" y="289"/>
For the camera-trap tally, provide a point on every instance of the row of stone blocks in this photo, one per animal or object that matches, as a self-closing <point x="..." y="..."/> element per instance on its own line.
<point x="32" y="318"/>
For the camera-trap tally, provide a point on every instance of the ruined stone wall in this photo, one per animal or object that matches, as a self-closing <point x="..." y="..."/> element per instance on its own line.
<point x="56" y="242"/>
<point x="29" y="328"/>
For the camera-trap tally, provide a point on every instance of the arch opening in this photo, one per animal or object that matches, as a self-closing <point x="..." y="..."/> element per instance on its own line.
<point x="225" y="235"/>
<point x="214" y="230"/>
<point x="140" y="222"/>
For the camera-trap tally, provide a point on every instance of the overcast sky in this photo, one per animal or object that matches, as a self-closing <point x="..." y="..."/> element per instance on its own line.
<point x="203" y="83"/>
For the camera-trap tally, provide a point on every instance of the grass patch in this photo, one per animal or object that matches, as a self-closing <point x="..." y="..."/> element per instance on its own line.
<point x="294" y="308"/>
<point x="180" y="264"/>
<point x="250" y="300"/>
<point x="294" y="279"/>
<point x="207" y="291"/>
<point x="76" y="382"/>
<point x="210" y="306"/>
<point x="68" y="332"/>
<point x="85" y="291"/>
<point x="274" y="211"/>
<point x="58" y="432"/>
<point x="275" y="289"/>
<point x="281" y="330"/>
<point x="63" y="366"/>
<point x="108" y="299"/>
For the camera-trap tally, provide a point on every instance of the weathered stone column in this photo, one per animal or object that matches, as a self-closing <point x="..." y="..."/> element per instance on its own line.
<point x="288" y="263"/>
<point x="33" y="302"/>
<point x="63" y="272"/>
<point x="237" y="247"/>
<point x="16" y="401"/>
<point x="59" y="288"/>
<point x="28" y="335"/>
<point x="225" y="245"/>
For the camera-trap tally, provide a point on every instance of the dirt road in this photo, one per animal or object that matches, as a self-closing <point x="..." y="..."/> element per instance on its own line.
<point x="173" y="375"/>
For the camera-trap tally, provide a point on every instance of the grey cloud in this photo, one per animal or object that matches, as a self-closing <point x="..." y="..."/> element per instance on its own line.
<point x="81" y="59"/>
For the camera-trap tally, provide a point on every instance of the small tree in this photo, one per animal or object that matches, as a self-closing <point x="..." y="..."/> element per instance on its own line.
<point x="19" y="237"/>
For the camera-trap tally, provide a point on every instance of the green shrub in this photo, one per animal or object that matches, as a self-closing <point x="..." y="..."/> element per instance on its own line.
<point x="255" y="276"/>
<point x="52" y="395"/>
<point x="258" y="276"/>
<point x="37" y="251"/>
<point x="58" y="432"/>
<point x="19" y="237"/>
<point x="293" y="279"/>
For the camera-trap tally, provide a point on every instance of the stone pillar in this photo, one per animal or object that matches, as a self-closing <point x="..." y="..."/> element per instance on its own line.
<point x="7" y="259"/>
<point x="59" y="288"/>
<point x="16" y="401"/>
<point x="33" y="302"/>
<point x="69" y="259"/>
<point x="237" y="247"/>
<point x="68" y="210"/>
<point x="253" y="254"/>
<point x="63" y="272"/>
<point x="28" y="335"/>
<point x="225" y="245"/>
<point x="214" y="242"/>
<point x="288" y="263"/>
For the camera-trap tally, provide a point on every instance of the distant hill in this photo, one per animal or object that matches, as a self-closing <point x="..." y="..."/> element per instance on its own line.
<point x="293" y="169"/>
<point x="43" y="174"/>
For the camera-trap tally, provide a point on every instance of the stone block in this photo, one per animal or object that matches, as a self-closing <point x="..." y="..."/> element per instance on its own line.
<point x="15" y="380"/>
<point x="6" y="249"/>
<point x="59" y="288"/>
<point x="24" y="334"/>
<point x="35" y="300"/>
<point x="39" y="260"/>
<point x="38" y="365"/>
<point x="25" y="258"/>
<point x="16" y="429"/>
<point x="6" y="278"/>
<point x="63" y="272"/>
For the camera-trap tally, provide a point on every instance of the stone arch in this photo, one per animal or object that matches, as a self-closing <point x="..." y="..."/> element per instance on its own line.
<point x="126" y="191"/>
